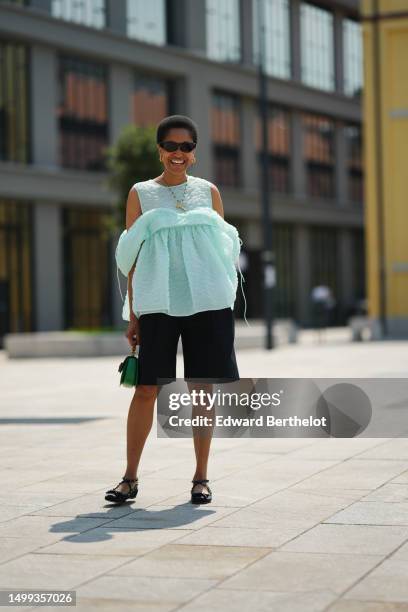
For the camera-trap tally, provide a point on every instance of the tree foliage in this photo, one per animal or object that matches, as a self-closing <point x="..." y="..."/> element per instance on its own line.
<point x="133" y="158"/>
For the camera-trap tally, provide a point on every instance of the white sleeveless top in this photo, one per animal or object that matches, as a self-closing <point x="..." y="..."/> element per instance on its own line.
<point x="186" y="260"/>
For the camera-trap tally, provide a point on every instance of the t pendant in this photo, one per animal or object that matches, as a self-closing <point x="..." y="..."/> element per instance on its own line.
<point x="180" y="205"/>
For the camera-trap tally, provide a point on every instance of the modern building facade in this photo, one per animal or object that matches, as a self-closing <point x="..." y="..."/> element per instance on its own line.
<point x="386" y="112"/>
<point x="74" y="73"/>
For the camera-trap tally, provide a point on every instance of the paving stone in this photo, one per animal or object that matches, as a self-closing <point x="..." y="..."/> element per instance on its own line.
<point x="190" y="561"/>
<point x="115" y="541"/>
<point x="343" y="605"/>
<point x="90" y="604"/>
<point x="298" y="504"/>
<point x="387" y="582"/>
<point x="146" y="591"/>
<point x="362" y="539"/>
<point x="35" y="571"/>
<point x="272" y="537"/>
<point x="12" y="512"/>
<point x="396" y="449"/>
<point x="401" y="554"/>
<point x="401" y="479"/>
<point x="219" y="600"/>
<point x="276" y="494"/>
<point x="392" y="492"/>
<point x="185" y="516"/>
<point x="48" y="528"/>
<point x="11" y="548"/>
<point x="335" y="448"/>
<point x="35" y="500"/>
<point x="88" y="506"/>
<point x="342" y="495"/>
<point x="296" y="571"/>
<point x="356" y="474"/>
<point x="372" y="513"/>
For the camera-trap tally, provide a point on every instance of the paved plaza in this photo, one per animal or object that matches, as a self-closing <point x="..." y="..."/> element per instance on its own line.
<point x="296" y="525"/>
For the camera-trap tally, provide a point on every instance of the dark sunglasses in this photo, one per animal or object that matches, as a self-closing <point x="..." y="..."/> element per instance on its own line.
<point x="170" y="146"/>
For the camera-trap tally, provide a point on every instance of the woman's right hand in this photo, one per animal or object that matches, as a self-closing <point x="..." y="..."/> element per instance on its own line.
<point x="133" y="332"/>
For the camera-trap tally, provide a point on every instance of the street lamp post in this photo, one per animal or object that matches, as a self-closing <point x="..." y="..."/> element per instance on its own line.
<point x="268" y="257"/>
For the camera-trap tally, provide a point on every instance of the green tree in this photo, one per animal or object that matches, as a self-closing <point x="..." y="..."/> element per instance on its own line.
<point x="133" y="158"/>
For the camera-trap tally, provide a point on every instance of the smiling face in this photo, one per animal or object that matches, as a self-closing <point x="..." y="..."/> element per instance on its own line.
<point x="176" y="162"/>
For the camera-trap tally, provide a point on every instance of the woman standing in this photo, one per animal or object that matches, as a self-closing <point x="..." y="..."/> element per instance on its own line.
<point x="179" y="256"/>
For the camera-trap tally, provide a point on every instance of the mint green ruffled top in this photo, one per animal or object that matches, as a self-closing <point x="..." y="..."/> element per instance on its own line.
<point x="186" y="260"/>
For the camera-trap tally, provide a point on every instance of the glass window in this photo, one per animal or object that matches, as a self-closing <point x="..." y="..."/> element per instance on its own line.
<point x="223" y="30"/>
<point x="318" y="152"/>
<point x="276" y="25"/>
<point x="150" y="100"/>
<point x="353" y="57"/>
<point x="317" y="47"/>
<point x="88" y="12"/>
<point x="16" y="299"/>
<point x="225" y="120"/>
<point x="353" y="134"/>
<point x="14" y="131"/>
<point x="82" y="114"/>
<point x="147" y="20"/>
<point x="359" y="267"/>
<point x="325" y="265"/>
<point x="87" y="268"/>
<point x="284" y="293"/>
<point x="279" y="148"/>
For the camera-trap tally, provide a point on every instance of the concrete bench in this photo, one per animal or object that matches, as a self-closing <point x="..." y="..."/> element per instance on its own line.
<point x="76" y="344"/>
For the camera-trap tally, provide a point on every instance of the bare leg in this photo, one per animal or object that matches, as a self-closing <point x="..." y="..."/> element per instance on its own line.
<point x="202" y="436"/>
<point x="139" y="424"/>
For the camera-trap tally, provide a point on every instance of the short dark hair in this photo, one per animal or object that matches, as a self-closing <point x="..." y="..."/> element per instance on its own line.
<point x="176" y="121"/>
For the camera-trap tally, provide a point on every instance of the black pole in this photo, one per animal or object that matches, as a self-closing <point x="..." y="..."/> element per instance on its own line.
<point x="268" y="258"/>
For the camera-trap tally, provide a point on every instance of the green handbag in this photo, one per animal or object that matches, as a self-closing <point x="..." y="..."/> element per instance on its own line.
<point x="129" y="369"/>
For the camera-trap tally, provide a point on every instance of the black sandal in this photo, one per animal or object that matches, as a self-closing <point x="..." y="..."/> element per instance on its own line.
<point x="201" y="498"/>
<point x="117" y="496"/>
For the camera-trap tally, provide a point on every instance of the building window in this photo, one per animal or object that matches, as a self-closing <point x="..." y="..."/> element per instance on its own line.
<point x="325" y="264"/>
<point x="82" y="114"/>
<point x="19" y="2"/>
<point x="150" y="100"/>
<point x="225" y="121"/>
<point x="353" y="134"/>
<point x="317" y="47"/>
<point x="87" y="12"/>
<point x="279" y="148"/>
<point x="359" y="268"/>
<point x="146" y="21"/>
<point x="318" y="152"/>
<point x="14" y="131"/>
<point x="284" y="293"/>
<point x="87" y="268"/>
<point x="16" y="299"/>
<point x="223" y="30"/>
<point x="276" y="23"/>
<point x="353" y="57"/>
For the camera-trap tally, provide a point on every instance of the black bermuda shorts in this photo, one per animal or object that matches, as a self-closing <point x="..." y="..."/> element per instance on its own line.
<point x="208" y="347"/>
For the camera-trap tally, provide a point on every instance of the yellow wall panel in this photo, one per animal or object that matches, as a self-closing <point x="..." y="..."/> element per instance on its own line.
<point x="394" y="155"/>
<point x="393" y="6"/>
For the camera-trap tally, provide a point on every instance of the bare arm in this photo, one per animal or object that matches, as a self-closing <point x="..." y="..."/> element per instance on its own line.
<point x="133" y="212"/>
<point x="217" y="201"/>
